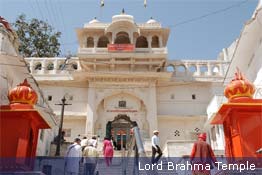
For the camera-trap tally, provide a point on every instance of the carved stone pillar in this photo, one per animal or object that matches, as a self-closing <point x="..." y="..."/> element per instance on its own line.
<point x="91" y="112"/>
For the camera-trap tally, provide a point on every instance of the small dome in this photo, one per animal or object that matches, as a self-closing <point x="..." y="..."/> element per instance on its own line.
<point x="151" y="20"/>
<point x="94" y="21"/>
<point x="23" y="93"/>
<point x="239" y="87"/>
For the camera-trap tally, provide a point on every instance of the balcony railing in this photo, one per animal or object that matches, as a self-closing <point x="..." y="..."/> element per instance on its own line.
<point x="119" y="49"/>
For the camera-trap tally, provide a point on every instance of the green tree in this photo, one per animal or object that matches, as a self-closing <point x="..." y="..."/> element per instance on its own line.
<point x="37" y="38"/>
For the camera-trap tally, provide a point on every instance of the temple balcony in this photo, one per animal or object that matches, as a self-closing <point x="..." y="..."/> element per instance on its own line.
<point x="121" y="48"/>
<point x="197" y="69"/>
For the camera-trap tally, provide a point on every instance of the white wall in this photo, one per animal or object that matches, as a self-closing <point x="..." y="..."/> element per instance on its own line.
<point x="183" y="104"/>
<point x="78" y="103"/>
<point x="77" y="127"/>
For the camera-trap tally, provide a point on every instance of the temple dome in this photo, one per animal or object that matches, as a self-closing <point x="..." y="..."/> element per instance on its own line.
<point x="123" y="17"/>
<point x="23" y="93"/>
<point x="239" y="87"/>
<point x="151" y="20"/>
<point x="93" y="21"/>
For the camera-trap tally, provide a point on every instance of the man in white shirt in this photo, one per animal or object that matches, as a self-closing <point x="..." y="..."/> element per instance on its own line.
<point x="155" y="147"/>
<point x="73" y="157"/>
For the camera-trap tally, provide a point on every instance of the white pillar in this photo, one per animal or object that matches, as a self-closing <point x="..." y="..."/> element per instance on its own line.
<point x="221" y="70"/>
<point x="55" y="66"/>
<point x="90" y="119"/>
<point x="160" y="41"/>
<point x="198" y="72"/>
<point x="43" y="66"/>
<point x="31" y="65"/>
<point x="95" y="43"/>
<point x="149" y="41"/>
<point x="209" y="67"/>
<point x="152" y="108"/>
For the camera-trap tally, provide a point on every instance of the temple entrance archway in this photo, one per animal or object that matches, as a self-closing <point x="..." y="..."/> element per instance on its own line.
<point x="120" y="130"/>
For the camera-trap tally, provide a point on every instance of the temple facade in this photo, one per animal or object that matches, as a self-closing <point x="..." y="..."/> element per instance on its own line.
<point x="122" y="76"/>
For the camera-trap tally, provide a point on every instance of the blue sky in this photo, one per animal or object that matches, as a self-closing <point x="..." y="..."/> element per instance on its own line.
<point x="201" y="38"/>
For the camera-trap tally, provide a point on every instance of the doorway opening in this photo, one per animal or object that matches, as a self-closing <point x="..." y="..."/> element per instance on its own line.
<point x="120" y="130"/>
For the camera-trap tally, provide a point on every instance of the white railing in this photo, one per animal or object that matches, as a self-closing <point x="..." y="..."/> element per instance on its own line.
<point x="213" y="68"/>
<point x="53" y="66"/>
<point x="149" y="25"/>
<point x="136" y="50"/>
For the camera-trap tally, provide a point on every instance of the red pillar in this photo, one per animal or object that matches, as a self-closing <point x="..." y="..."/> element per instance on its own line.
<point x="241" y="118"/>
<point x="20" y="123"/>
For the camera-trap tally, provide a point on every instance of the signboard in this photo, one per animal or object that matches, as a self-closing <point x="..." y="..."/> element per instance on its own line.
<point x="120" y="47"/>
<point x="122" y="110"/>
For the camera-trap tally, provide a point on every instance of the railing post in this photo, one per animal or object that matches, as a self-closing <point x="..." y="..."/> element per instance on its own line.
<point x="139" y="143"/>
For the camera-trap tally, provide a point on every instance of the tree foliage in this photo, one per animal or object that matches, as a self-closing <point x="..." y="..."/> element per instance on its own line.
<point x="37" y="38"/>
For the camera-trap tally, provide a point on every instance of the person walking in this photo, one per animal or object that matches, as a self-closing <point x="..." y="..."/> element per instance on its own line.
<point x="73" y="158"/>
<point x="93" y="140"/>
<point x="155" y="147"/>
<point x="84" y="142"/>
<point x="202" y="154"/>
<point x="90" y="155"/>
<point x="108" y="151"/>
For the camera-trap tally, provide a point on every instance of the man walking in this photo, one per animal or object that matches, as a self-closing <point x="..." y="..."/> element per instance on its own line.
<point x="155" y="147"/>
<point x="73" y="158"/>
<point x="90" y="155"/>
<point x="202" y="154"/>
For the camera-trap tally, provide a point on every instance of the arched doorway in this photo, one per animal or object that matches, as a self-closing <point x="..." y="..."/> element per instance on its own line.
<point x="120" y="130"/>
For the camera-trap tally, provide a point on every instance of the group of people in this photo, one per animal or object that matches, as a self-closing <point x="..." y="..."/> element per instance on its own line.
<point x="85" y="151"/>
<point x="201" y="153"/>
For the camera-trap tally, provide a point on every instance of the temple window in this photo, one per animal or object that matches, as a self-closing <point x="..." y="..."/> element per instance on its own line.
<point x="122" y="104"/>
<point x="90" y="42"/>
<point x="122" y="38"/>
<point x="141" y="42"/>
<point x="103" y="41"/>
<point x="50" y="66"/>
<point x="38" y="66"/>
<point x="49" y="98"/>
<point x="155" y="42"/>
<point x="74" y="66"/>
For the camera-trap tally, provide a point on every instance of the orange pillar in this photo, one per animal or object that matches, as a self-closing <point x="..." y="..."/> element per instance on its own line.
<point x="241" y="118"/>
<point x="20" y="123"/>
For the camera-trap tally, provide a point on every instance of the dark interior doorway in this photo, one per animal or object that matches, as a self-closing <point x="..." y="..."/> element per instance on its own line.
<point x="120" y="130"/>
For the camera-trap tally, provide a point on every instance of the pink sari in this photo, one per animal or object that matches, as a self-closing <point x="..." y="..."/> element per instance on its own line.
<point x="108" y="151"/>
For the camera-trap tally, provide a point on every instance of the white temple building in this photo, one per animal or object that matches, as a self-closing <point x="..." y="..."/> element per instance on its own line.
<point x="122" y="75"/>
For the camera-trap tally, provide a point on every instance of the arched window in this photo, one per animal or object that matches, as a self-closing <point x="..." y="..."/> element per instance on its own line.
<point x="155" y="42"/>
<point x="38" y="66"/>
<point x="74" y="66"/>
<point x="215" y="70"/>
<point x="103" y="41"/>
<point x="192" y="69"/>
<point x="50" y="66"/>
<point x="90" y="42"/>
<point x="122" y="38"/>
<point x="181" y="68"/>
<point x="203" y="70"/>
<point x="141" y="42"/>
<point x="170" y="68"/>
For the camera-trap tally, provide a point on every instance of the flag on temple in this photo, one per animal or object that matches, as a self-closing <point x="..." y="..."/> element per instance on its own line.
<point x="145" y="3"/>
<point x="102" y="3"/>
